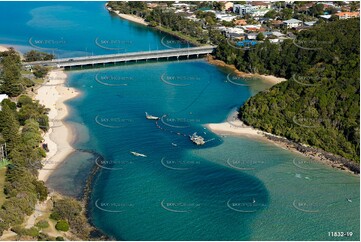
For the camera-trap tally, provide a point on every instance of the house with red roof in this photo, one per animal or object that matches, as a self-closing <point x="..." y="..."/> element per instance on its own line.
<point x="347" y="15"/>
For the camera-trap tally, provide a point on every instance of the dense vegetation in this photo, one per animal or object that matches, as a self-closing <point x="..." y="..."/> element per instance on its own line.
<point x="319" y="104"/>
<point x="20" y="130"/>
<point x="22" y="123"/>
<point x="22" y="189"/>
<point x="11" y="81"/>
<point x="35" y="55"/>
<point x="68" y="213"/>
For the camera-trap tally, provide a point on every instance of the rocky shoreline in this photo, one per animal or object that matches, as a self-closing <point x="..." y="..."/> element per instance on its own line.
<point x="95" y="233"/>
<point x="268" y="78"/>
<point x="333" y="160"/>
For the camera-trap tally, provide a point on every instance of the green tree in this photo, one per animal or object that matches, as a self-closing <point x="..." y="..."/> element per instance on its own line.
<point x="9" y="127"/>
<point x="10" y="77"/>
<point x="260" y="36"/>
<point x="40" y="71"/>
<point x="317" y="9"/>
<point x="42" y="224"/>
<point x="35" y="55"/>
<point x="286" y="13"/>
<point x="271" y="14"/>
<point x="62" y="225"/>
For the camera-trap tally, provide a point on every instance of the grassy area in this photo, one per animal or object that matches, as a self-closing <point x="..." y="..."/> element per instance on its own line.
<point x="2" y="182"/>
<point x="24" y="72"/>
<point x="180" y="35"/>
<point x="38" y="81"/>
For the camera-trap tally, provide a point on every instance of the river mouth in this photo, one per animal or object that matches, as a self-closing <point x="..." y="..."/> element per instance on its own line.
<point x="229" y="189"/>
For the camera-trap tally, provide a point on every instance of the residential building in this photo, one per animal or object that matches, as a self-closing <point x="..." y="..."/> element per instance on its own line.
<point x="252" y="28"/>
<point x="243" y="9"/>
<point x="260" y="4"/>
<point x="240" y="22"/>
<point x="184" y="6"/>
<point x="152" y="5"/>
<point x="231" y="32"/>
<point x="236" y="36"/>
<point x="347" y="15"/>
<point x="260" y="12"/>
<point x="225" y="17"/>
<point x="292" y="23"/>
<point x="234" y="30"/>
<point x="276" y="23"/>
<point x="252" y="36"/>
<point x="277" y="34"/>
<point x="228" y="6"/>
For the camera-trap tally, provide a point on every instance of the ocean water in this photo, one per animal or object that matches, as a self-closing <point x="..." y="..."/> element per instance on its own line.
<point x="69" y="29"/>
<point x="229" y="189"/>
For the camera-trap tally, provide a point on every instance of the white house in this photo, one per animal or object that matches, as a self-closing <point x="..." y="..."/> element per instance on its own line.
<point x="260" y="12"/>
<point x="181" y="5"/>
<point x="225" y="17"/>
<point x="252" y="36"/>
<point x="235" y="30"/>
<point x="260" y="4"/>
<point x="277" y="34"/>
<point x="243" y="9"/>
<point x="292" y="23"/>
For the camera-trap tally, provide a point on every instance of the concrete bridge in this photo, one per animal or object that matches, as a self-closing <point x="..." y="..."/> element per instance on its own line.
<point x="124" y="57"/>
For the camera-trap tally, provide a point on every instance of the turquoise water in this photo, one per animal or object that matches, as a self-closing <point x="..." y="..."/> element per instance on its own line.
<point x="229" y="189"/>
<point x="75" y="29"/>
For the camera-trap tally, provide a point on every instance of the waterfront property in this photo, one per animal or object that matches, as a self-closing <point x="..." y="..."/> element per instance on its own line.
<point x="124" y="57"/>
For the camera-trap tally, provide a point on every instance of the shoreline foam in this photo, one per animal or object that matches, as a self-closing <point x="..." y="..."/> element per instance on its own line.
<point x="59" y="136"/>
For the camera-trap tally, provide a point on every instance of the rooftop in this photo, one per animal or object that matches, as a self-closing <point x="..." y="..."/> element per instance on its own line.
<point x="354" y="14"/>
<point x="292" y="21"/>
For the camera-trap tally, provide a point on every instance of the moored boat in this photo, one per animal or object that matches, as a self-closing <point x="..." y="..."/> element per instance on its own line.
<point x="151" y="117"/>
<point x="138" y="154"/>
<point x="198" y="140"/>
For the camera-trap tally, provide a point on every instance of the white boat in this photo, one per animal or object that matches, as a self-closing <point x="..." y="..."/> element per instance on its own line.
<point x="198" y="140"/>
<point x="349" y="200"/>
<point x="151" y="117"/>
<point x="174" y="144"/>
<point x="138" y="154"/>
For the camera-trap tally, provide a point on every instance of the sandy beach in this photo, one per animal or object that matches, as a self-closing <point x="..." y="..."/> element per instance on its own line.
<point x="3" y="48"/>
<point x="129" y="17"/>
<point x="234" y="126"/>
<point x="270" y="79"/>
<point x="53" y="94"/>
